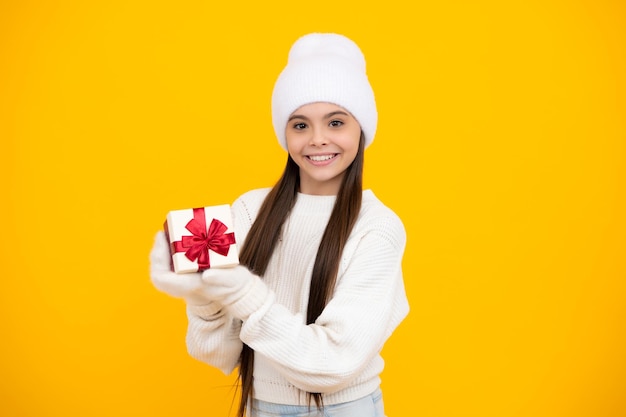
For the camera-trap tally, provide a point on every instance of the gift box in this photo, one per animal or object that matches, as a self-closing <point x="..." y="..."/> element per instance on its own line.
<point x="201" y="238"/>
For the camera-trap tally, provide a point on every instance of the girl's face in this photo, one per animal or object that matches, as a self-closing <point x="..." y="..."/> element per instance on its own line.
<point x="323" y="140"/>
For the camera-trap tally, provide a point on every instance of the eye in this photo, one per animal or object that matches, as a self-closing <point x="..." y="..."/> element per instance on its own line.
<point x="335" y="123"/>
<point x="299" y="126"/>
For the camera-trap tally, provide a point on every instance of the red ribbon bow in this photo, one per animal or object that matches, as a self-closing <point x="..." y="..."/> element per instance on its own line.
<point x="197" y="246"/>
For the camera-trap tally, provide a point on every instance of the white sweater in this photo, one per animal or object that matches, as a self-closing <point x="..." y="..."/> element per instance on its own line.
<point x="338" y="355"/>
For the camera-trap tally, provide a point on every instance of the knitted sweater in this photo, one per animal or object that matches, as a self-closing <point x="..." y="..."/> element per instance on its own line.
<point x="339" y="354"/>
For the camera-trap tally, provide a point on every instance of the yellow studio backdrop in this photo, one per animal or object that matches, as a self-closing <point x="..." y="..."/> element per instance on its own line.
<point x="501" y="144"/>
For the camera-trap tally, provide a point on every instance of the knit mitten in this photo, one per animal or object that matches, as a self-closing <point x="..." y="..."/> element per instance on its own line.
<point x="237" y="289"/>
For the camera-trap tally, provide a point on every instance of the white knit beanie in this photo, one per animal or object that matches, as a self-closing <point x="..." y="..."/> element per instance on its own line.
<point x="324" y="67"/>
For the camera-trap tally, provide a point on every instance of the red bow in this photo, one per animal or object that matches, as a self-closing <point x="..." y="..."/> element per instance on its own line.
<point x="197" y="246"/>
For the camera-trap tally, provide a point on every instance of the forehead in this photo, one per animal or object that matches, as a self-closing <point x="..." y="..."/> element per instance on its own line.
<point x="318" y="109"/>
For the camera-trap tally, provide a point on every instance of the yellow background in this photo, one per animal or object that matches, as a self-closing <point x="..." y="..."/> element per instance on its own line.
<point x="501" y="144"/>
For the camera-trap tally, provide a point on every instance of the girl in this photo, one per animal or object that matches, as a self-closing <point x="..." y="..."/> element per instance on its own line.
<point x="319" y="288"/>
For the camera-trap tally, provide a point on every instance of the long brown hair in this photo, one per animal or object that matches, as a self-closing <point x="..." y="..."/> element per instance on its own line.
<point x="265" y="232"/>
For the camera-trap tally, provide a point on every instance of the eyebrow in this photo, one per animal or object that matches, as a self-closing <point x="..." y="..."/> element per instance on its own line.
<point x="327" y="116"/>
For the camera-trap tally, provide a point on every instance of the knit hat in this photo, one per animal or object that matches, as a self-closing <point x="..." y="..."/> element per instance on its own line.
<point x="324" y="67"/>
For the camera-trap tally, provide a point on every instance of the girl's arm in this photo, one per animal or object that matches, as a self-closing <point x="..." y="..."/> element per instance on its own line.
<point x="213" y="337"/>
<point x="369" y="302"/>
<point x="326" y="356"/>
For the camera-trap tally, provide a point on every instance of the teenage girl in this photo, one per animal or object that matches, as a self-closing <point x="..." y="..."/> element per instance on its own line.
<point x="319" y="288"/>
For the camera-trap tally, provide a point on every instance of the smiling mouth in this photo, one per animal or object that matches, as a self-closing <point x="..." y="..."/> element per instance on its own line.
<point x="321" y="158"/>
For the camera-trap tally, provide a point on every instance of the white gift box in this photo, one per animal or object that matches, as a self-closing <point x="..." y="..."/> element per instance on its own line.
<point x="201" y="238"/>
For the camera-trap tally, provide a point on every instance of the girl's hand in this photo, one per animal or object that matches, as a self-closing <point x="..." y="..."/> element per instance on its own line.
<point x="189" y="286"/>
<point x="237" y="289"/>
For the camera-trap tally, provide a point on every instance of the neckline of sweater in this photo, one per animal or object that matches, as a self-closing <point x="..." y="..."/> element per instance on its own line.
<point x="322" y="203"/>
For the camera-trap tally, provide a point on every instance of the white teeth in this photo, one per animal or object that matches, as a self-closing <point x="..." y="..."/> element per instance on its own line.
<point x="320" y="158"/>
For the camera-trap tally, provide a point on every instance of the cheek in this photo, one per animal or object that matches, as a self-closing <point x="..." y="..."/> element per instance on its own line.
<point x="293" y="142"/>
<point x="350" y="150"/>
<point x="293" y="152"/>
<point x="353" y="142"/>
<point x="292" y="149"/>
<point x="290" y="145"/>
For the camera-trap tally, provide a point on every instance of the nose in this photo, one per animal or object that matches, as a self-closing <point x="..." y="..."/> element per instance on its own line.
<point x="318" y="138"/>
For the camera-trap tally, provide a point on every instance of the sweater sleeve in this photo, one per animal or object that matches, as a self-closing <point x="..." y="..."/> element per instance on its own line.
<point x="368" y="304"/>
<point x="213" y="337"/>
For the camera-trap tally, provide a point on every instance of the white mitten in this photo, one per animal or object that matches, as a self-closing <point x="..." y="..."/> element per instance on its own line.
<point x="189" y="286"/>
<point x="237" y="289"/>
